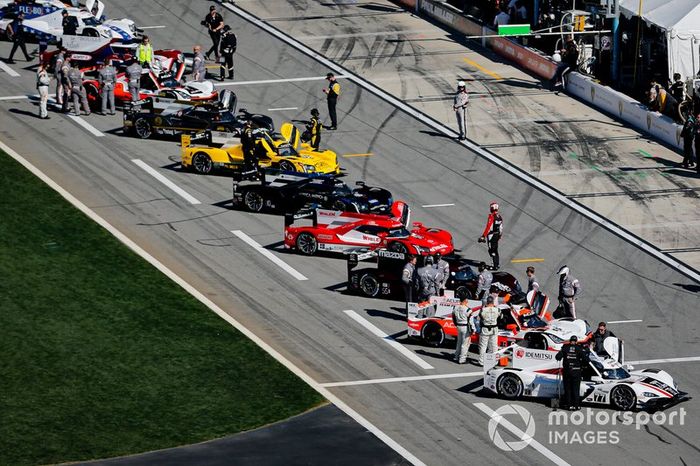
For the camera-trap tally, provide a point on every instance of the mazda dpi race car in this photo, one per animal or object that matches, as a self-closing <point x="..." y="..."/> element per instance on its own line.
<point x="432" y="323"/>
<point x="383" y="278"/>
<point x="43" y="20"/>
<point x="518" y="371"/>
<point x="291" y="192"/>
<point x="170" y="116"/>
<point x="281" y="151"/>
<point x="336" y="231"/>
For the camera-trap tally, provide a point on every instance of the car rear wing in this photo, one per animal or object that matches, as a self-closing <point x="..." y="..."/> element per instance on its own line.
<point x="292" y="217"/>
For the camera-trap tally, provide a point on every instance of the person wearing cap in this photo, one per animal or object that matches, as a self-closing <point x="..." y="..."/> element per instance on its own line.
<point x="443" y="268"/>
<point x="488" y="338"/>
<point x="483" y="282"/>
<point x="569" y="289"/>
<point x="69" y="24"/>
<point x="17" y="33"/>
<point x="492" y="233"/>
<point x="133" y="73"/>
<point x="460" y="318"/>
<point x="574" y="357"/>
<point x="199" y="69"/>
<point x="460" y="107"/>
<point x="144" y="52"/>
<point x="108" y="79"/>
<point x="332" y="93"/>
<point x="532" y="283"/>
<point x="75" y="76"/>
<point x="214" y="23"/>
<point x="314" y="129"/>
<point x="227" y="47"/>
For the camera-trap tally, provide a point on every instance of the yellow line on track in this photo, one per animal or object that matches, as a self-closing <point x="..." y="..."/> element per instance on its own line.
<point x="534" y="259"/>
<point x="359" y="155"/>
<point x="482" y="69"/>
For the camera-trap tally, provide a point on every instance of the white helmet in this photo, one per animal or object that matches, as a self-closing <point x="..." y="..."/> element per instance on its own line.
<point x="563" y="271"/>
<point x="461" y="84"/>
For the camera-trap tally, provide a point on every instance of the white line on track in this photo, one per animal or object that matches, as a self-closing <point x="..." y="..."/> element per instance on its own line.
<point x="491" y="157"/>
<point x="175" y="188"/>
<point x="662" y="361"/>
<point x="327" y="394"/>
<point x="152" y="27"/>
<point x="14" y="97"/>
<point x="520" y="435"/>
<point x="281" y="80"/>
<point x="402" y="379"/>
<point x="393" y="343"/>
<point x="411" y="32"/>
<point x="8" y="70"/>
<point x="427" y="206"/>
<point x="631" y="321"/>
<point x="279" y="109"/>
<point x="276" y="260"/>
<point x="91" y="129"/>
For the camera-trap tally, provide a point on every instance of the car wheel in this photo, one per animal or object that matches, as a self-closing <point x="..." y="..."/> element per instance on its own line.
<point x="369" y="285"/>
<point x="253" y="201"/>
<point x="398" y="247"/>
<point x="287" y="166"/>
<point x="463" y="292"/>
<point x="432" y="334"/>
<point x="307" y="244"/>
<point x="143" y="128"/>
<point x="623" y="398"/>
<point x="509" y="386"/>
<point x="201" y="163"/>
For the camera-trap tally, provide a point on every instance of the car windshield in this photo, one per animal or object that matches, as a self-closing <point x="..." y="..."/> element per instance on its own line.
<point x="465" y="273"/>
<point x="342" y="190"/>
<point x="399" y="233"/>
<point x="616" y="373"/>
<point x="90" y="21"/>
<point x="286" y="150"/>
<point x="531" y="320"/>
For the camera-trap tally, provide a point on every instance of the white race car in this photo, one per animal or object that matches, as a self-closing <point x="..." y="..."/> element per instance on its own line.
<point x="518" y="371"/>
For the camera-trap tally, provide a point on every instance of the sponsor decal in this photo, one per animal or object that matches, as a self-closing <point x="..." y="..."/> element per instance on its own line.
<point x="519" y="353"/>
<point x="391" y="254"/>
<point x="80" y="57"/>
<point x="327" y="237"/>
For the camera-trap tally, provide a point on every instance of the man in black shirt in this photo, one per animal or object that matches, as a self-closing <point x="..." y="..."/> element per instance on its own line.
<point x="228" y="44"/>
<point x="575" y="358"/>
<point x="17" y="33"/>
<point x="569" y="62"/>
<point x="215" y="23"/>
<point x="70" y="24"/>
<point x="677" y="89"/>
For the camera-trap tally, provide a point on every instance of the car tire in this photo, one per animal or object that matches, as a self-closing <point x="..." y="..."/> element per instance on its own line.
<point x="432" y="334"/>
<point x="398" y="247"/>
<point x="201" y="163"/>
<point x="369" y="285"/>
<point x="287" y="166"/>
<point x="462" y="292"/>
<point x="143" y="128"/>
<point x="623" y="398"/>
<point x="254" y="201"/>
<point x="509" y="386"/>
<point x="307" y="244"/>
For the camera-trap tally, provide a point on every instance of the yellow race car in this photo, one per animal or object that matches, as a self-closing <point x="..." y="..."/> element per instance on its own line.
<point x="281" y="150"/>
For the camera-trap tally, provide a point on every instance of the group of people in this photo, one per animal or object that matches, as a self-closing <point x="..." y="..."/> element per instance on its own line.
<point x="224" y="43"/>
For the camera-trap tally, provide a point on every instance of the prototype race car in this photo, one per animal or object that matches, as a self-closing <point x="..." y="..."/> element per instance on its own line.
<point x="518" y="371"/>
<point x="383" y="278"/>
<point x="169" y="116"/>
<point x="336" y="231"/>
<point x="290" y="192"/>
<point x="273" y="150"/>
<point x="432" y="323"/>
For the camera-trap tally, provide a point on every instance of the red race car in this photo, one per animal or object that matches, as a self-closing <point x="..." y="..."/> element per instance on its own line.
<point x="337" y="231"/>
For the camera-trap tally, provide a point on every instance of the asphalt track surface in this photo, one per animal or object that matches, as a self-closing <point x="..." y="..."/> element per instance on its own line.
<point x="439" y="420"/>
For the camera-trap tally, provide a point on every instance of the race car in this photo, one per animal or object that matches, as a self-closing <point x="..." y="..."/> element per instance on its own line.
<point x="335" y="231"/>
<point x="290" y="192"/>
<point x="431" y="322"/>
<point x="43" y="21"/>
<point x="383" y="278"/>
<point x="518" y="371"/>
<point x="274" y="150"/>
<point x="169" y="116"/>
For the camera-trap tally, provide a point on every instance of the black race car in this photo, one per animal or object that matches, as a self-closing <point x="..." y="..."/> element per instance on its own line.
<point x="383" y="279"/>
<point x="289" y="192"/>
<point x="166" y="115"/>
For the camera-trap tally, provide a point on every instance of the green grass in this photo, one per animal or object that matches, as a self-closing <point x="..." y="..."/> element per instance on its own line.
<point x="101" y="355"/>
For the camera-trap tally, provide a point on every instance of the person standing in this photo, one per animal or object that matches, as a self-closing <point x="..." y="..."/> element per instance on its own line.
<point x="199" y="68"/>
<point x="409" y="280"/>
<point x="492" y="233"/>
<point x="60" y="58"/>
<point x="65" y="84"/>
<point x="575" y="357"/>
<point x="144" y="52"/>
<point x="532" y="283"/>
<point x="461" y="101"/>
<point x="75" y="76"/>
<point x="69" y="24"/>
<point x="314" y="128"/>
<point x="133" y="74"/>
<point x="443" y="269"/>
<point x="488" y="339"/>
<point x="248" y="148"/>
<point x="332" y="94"/>
<point x="460" y="318"/>
<point x="215" y="23"/>
<point x="227" y="47"/>
<point x="688" y="133"/>
<point x="569" y="289"/>
<point x="18" y="35"/>
<point x="43" y="80"/>
<point x="108" y="79"/>
<point x="677" y="88"/>
<point x="483" y="283"/>
<point x="598" y="339"/>
<point x="429" y="280"/>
